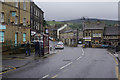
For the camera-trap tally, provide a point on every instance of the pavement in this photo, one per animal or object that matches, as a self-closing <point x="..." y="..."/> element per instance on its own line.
<point x="14" y="61"/>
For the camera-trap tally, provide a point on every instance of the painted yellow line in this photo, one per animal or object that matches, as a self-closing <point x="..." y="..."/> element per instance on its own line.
<point x="54" y="76"/>
<point x="8" y="70"/>
<point x="116" y="68"/>
<point x="117" y="73"/>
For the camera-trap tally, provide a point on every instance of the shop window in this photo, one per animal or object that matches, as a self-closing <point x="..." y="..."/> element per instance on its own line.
<point x="24" y="37"/>
<point x="1" y="36"/>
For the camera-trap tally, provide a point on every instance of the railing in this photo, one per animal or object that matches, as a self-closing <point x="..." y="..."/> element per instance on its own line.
<point x="10" y="48"/>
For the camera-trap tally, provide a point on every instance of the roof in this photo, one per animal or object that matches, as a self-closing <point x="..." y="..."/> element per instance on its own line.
<point x="112" y="30"/>
<point x="68" y="31"/>
<point x="94" y="26"/>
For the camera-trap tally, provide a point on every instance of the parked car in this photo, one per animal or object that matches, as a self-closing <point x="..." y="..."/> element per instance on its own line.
<point x="59" y="45"/>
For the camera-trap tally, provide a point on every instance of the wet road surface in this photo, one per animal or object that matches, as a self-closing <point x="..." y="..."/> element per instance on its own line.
<point x="72" y="62"/>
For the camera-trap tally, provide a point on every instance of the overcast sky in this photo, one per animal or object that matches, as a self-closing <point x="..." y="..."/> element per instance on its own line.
<point x="73" y="10"/>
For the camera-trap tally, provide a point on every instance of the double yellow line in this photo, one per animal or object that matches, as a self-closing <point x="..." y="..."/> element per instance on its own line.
<point x="13" y="68"/>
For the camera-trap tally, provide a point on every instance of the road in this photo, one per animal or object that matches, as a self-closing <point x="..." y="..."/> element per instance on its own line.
<point x="72" y="62"/>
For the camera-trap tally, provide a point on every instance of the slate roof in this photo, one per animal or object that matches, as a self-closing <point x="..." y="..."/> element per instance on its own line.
<point x="112" y="30"/>
<point x="94" y="26"/>
<point x="68" y="31"/>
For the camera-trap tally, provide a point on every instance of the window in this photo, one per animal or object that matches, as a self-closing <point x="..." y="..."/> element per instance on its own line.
<point x="38" y="13"/>
<point x="31" y="9"/>
<point x="38" y="26"/>
<point x="24" y="37"/>
<point x="16" y="19"/>
<point x="34" y="11"/>
<point x="24" y="5"/>
<point x="89" y="34"/>
<point x="1" y="36"/>
<point x="34" y="24"/>
<point x="16" y="3"/>
<point x="86" y="34"/>
<point x="31" y="23"/>
<point x="24" y="21"/>
<point x="2" y="17"/>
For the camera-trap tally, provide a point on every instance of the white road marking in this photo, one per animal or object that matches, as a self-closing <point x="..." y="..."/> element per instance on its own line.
<point x="66" y="65"/>
<point x="45" y="76"/>
<point x="79" y="58"/>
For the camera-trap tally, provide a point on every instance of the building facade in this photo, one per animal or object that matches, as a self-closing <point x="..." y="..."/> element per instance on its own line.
<point x="112" y="36"/>
<point x="15" y="22"/>
<point x="36" y="20"/>
<point x="93" y="34"/>
<point x="69" y="37"/>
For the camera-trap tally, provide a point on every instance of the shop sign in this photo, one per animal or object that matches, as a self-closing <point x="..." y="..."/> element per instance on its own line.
<point x="87" y="39"/>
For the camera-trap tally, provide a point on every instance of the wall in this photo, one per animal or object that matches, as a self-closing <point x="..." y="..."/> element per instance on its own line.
<point x="10" y="33"/>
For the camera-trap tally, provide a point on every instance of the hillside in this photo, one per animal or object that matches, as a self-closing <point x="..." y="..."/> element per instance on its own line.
<point x="107" y="22"/>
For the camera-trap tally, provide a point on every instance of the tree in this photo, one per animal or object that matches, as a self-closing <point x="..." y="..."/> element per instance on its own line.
<point x="44" y="23"/>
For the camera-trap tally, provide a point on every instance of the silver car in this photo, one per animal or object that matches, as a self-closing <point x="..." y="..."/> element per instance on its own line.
<point x="59" y="45"/>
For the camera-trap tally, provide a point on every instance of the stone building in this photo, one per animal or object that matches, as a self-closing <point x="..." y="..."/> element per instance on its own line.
<point x="15" y="22"/>
<point x="93" y="34"/>
<point x="53" y="30"/>
<point x="112" y="36"/>
<point x="36" y="15"/>
<point x="69" y="37"/>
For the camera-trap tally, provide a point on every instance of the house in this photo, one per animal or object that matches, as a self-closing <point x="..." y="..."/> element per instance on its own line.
<point x="112" y="36"/>
<point x="15" y="22"/>
<point x="36" y="20"/>
<point x="93" y="33"/>
<point x="54" y="30"/>
<point x="69" y="37"/>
